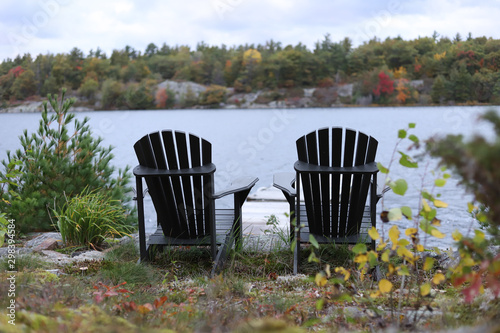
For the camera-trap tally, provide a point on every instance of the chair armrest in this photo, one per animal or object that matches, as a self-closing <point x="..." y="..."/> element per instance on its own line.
<point x="284" y="182"/>
<point x="143" y="171"/>
<point x="369" y="168"/>
<point x="238" y="185"/>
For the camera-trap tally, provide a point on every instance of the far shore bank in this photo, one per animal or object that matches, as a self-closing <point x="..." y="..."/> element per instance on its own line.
<point x="37" y="106"/>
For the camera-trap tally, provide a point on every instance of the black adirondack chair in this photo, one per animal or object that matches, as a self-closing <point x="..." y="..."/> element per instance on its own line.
<point x="335" y="172"/>
<point x="179" y="174"/>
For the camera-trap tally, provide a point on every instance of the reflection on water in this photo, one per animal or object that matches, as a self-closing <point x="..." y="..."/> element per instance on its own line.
<point x="262" y="142"/>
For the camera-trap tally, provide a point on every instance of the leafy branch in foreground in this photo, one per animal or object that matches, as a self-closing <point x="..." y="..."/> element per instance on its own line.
<point x="408" y="272"/>
<point x="476" y="162"/>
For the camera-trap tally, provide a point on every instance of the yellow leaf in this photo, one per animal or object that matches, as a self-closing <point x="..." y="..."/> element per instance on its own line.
<point x="436" y="233"/>
<point x="373" y="233"/>
<point x="394" y="236"/>
<point x="456" y="235"/>
<point x="403" y="242"/>
<point x="470" y="207"/>
<point x="420" y="248"/>
<point x="327" y="270"/>
<point x="438" y="278"/>
<point x="375" y="294"/>
<point x="440" y="204"/>
<point x="320" y="279"/>
<point x="411" y="231"/>
<point x="425" y="289"/>
<point x="404" y="252"/>
<point x="429" y="263"/>
<point x="381" y="246"/>
<point x="391" y="269"/>
<point x="427" y="208"/>
<point x="479" y="235"/>
<point x="385" y="256"/>
<point x="384" y="286"/>
<point x="344" y="272"/>
<point x="361" y="258"/>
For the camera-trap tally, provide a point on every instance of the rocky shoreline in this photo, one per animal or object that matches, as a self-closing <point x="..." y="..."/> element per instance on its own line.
<point x="339" y="95"/>
<point x="37" y="106"/>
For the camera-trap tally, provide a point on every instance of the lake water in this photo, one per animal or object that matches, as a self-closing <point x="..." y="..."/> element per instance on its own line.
<point x="262" y="142"/>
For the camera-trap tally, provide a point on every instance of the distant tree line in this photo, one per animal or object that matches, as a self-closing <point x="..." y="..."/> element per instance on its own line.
<point x="457" y="70"/>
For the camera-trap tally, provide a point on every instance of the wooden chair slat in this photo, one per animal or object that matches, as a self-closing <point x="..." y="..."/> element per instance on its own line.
<point x="194" y="143"/>
<point x="315" y="201"/>
<point x="184" y="163"/>
<point x="324" y="159"/>
<point x="336" y="162"/>
<point x="355" y="200"/>
<point x="349" y="144"/>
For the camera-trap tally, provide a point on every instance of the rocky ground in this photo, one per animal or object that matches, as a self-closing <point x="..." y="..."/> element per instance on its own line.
<point x="46" y="244"/>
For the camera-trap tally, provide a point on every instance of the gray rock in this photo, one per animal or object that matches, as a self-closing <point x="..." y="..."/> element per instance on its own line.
<point x="345" y="90"/>
<point x="448" y="260"/>
<point x="4" y="251"/>
<point x="48" y="244"/>
<point x="63" y="259"/>
<point x="56" y="257"/>
<point x="89" y="255"/>
<point x="353" y="312"/>
<point x="43" y="237"/>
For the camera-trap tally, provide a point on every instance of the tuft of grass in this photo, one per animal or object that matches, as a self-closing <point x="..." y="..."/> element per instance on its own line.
<point x="126" y="251"/>
<point x="130" y="272"/>
<point x="181" y="261"/>
<point x="24" y="262"/>
<point x="89" y="218"/>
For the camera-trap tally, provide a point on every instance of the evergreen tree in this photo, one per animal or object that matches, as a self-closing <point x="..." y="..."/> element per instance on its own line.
<point x="59" y="161"/>
<point x="460" y="84"/>
<point x="439" y="93"/>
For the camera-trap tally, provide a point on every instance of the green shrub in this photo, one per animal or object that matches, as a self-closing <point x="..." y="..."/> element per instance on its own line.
<point x="213" y="96"/>
<point x="60" y="160"/>
<point x="111" y="93"/>
<point x="89" y="218"/>
<point x="89" y="88"/>
<point x="139" y="96"/>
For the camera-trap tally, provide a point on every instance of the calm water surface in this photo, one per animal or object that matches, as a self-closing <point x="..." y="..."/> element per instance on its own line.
<point x="262" y="142"/>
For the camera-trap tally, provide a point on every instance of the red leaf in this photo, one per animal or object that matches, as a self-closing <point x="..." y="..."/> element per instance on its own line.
<point x="160" y="301"/>
<point x="98" y="297"/>
<point x="473" y="290"/>
<point x="110" y="293"/>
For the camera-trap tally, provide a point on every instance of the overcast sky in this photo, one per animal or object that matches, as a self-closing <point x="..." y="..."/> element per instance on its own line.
<point x="56" y="26"/>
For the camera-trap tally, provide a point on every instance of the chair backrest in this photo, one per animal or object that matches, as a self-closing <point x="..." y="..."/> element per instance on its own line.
<point x="183" y="204"/>
<point x="335" y="203"/>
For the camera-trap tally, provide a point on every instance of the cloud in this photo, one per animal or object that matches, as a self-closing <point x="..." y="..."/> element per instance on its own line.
<point x="56" y="26"/>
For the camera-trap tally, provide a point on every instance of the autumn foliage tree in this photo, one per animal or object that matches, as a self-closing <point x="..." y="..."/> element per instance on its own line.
<point x="384" y="88"/>
<point x="469" y="69"/>
<point x="403" y="91"/>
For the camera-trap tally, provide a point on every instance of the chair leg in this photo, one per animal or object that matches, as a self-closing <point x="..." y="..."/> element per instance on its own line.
<point x="224" y="251"/>
<point x="144" y="256"/>
<point x="376" y="273"/>
<point x="296" y="259"/>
